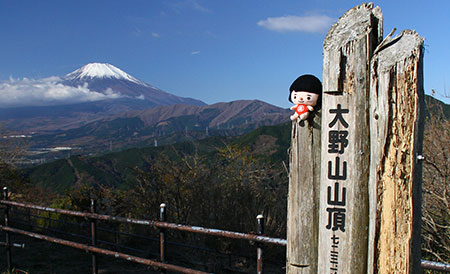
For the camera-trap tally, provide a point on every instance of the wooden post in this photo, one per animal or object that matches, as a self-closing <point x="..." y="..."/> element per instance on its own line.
<point x="396" y="125"/>
<point x="369" y="185"/>
<point x="345" y="151"/>
<point x="303" y="198"/>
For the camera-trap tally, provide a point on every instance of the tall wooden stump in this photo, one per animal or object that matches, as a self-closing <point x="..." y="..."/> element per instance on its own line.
<point x="396" y="126"/>
<point x="354" y="205"/>
<point x="344" y="205"/>
<point x="303" y="199"/>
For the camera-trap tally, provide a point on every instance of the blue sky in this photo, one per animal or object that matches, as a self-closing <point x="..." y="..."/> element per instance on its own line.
<point x="210" y="50"/>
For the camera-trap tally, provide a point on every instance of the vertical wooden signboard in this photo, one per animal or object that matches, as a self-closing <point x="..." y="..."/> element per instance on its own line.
<point x="396" y="127"/>
<point x="345" y="151"/>
<point x="303" y="199"/>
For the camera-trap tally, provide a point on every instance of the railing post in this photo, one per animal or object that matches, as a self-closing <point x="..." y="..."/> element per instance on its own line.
<point x="7" y="237"/>
<point x="94" y="238"/>
<point x="259" y="250"/>
<point x="162" y="235"/>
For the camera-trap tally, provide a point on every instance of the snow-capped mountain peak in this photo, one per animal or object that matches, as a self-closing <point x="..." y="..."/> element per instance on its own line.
<point x="101" y="70"/>
<point x="110" y="80"/>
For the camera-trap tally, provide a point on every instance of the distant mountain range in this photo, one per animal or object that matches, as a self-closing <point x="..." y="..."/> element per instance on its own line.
<point x="121" y="92"/>
<point x="166" y="124"/>
<point x="129" y="113"/>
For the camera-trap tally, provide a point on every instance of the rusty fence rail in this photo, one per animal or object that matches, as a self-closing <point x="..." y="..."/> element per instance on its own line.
<point x="435" y="266"/>
<point x="106" y="230"/>
<point x="156" y="224"/>
<point x="163" y="226"/>
<point x="25" y="218"/>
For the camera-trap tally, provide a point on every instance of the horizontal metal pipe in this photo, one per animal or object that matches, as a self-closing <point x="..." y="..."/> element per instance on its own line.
<point x="224" y="233"/>
<point x="107" y="252"/>
<point x="125" y="234"/>
<point x="43" y="208"/>
<point x="435" y="266"/>
<point x="193" y="229"/>
<point x="13" y="245"/>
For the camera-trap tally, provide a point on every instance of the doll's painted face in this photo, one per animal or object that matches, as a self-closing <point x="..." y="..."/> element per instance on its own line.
<point x="304" y="97"/>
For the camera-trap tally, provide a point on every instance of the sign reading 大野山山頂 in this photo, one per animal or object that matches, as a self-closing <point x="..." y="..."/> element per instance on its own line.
<point x="336" y="190"/>
<point x="343" y="209"/>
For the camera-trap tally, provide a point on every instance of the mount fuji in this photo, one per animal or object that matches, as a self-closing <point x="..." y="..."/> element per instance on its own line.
<point x="108" y="79"/>
<point x="92" y="92"/>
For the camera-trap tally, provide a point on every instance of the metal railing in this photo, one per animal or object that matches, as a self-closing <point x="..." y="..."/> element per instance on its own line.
<point x="162" y="225"/>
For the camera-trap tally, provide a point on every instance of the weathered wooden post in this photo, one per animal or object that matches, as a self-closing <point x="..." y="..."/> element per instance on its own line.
<point x="303" y="198"/>
<point x="396" y="127"/>
<point x="354" y="201"/>
<point x="344" y="205"/>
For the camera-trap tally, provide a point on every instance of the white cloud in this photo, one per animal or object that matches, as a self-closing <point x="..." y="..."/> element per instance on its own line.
<point x="195" y="52"/>
<point x="47" y="92"/>
<point x="155" y="35"/>
<point x="315" y="23"/>
<point x="196" y="5"/>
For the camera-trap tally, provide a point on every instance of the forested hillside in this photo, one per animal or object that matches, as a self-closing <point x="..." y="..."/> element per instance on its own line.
<point x="117" y="169"/>
<point x="220" y="182"/>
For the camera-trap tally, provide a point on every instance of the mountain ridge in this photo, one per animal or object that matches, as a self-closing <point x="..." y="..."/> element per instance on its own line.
<point x="166" y="124"/>
<point x="228" y="110"/>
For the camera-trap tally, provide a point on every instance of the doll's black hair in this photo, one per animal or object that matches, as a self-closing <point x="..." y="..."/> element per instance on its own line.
<point x="308" y="83"/>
